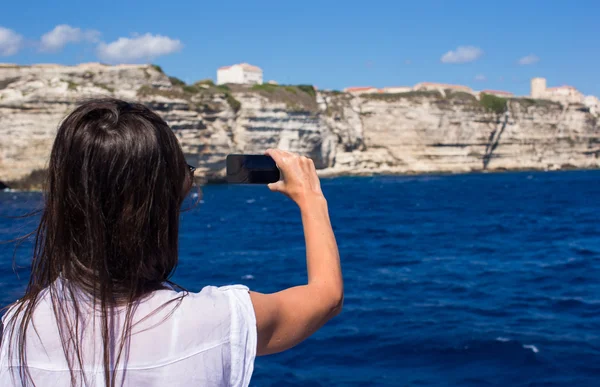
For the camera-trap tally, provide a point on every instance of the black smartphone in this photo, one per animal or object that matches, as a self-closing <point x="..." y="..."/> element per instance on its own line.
<point x="251" y="169"/>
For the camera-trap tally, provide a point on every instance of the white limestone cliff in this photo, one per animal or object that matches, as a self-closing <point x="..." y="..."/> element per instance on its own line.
<point x="344" y="134"/>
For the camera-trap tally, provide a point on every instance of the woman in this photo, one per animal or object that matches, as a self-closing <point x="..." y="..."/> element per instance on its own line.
<point x="100" y="310"/>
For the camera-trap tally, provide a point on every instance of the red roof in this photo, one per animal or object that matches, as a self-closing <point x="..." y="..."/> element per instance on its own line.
<point x="245" y="66"/>
<point x="444" y="85"/>
<point x="250" y="67"/>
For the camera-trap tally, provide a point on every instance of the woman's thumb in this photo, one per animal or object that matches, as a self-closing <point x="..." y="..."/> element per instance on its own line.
<point x="276" y="187"/>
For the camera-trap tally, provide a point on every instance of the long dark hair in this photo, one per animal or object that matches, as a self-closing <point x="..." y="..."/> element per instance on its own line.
<point x="117" y="178"/>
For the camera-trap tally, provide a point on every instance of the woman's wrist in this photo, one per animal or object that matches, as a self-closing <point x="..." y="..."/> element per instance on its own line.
<point x="312" y="202"/>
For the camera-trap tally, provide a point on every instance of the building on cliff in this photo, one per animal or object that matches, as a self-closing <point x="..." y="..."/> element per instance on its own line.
<point x="563" y="94"/>
<point x="361" y="90"/>
<point x="396" y="89"/>
<point x="430" y="86"/>
<point x="242" y="73"/>
<point x="424" y="86"/>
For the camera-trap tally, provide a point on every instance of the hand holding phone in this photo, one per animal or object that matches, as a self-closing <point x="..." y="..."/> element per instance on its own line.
<point x="300" y="180"/>
<point x="285" y="172"/>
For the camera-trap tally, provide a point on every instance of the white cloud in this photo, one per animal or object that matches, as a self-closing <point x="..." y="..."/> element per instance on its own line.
<point x="480" y="77"/>
<point x="143" y="47"/>
<point x="528" y="60"/>
<point x="63" y="34"/>
<point x="462" y="54"/>
<point x="10" y="42"/>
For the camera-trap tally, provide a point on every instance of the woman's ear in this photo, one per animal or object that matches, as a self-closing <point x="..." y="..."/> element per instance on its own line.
<point x="188" y="187"/>
<point x="188" y="183"/>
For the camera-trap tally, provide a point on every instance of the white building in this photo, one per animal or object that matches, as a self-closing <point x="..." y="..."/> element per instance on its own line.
<point x="565" y="94"/>
<point x="538" y="88"/>
<point x="396" y="89"/>
<point x="562" y="94"/>
<point x="243" y="73"/>
<point x="441" y="87"/>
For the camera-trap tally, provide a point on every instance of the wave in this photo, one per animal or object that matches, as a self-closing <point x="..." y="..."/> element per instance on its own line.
<point x="569" y="263"/>
<point x="532" y="347"/>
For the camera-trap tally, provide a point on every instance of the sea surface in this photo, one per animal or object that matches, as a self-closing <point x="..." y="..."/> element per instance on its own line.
<point x="461" y="280"/>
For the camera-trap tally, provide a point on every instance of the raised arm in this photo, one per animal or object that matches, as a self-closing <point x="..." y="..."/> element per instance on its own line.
<point x="287" y="317"/>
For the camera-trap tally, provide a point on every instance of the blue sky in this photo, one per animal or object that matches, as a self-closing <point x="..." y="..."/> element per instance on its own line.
<point x="331" y="44"/>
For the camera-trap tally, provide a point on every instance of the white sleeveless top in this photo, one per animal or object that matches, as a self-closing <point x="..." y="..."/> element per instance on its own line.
<point x="208" y="340"/>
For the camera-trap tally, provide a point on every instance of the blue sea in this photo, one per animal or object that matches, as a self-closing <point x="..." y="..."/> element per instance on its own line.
<point x="461" y="280"/>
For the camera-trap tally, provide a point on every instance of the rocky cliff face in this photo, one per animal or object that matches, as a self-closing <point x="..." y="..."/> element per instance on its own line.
<point x="399" y="133"/>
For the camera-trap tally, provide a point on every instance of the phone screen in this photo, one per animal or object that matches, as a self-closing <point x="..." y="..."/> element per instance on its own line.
<point x="251" y="169"/>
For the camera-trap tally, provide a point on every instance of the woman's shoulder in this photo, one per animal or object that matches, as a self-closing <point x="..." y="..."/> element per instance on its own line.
<point x="214" y="315"/>
<point x="239" y="304"/>
<point x="212" y="302"/>
<point x="207" y="293"/>
<point x="230" y="299"/>
<point x="228" y="292"/>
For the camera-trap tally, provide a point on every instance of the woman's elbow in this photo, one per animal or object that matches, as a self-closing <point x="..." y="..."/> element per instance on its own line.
<point x="330" y="300"/>
<point x="336" y="303"/>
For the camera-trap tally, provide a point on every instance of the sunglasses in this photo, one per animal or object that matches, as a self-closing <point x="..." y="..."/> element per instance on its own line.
<point x="192" y="169"/>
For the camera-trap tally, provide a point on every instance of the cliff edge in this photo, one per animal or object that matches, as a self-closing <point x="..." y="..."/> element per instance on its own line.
<point x="413" y="132"/>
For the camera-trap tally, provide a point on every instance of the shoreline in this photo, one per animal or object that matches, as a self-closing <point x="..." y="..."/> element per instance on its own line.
<point x="329" y="175"/>
<point x="333" y="175"/>
<point x="325" y="174"/>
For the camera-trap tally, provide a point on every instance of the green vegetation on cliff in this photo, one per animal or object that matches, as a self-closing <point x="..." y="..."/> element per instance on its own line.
<point x="294" y="89"/>
<point x="489" y="102"/>
<point x="157" y="68"/>
<point x="302" y="98"/>
<point x="147" y="90"/>
<point x="336" y="102"/>
<point x="176" y="81"/>
<point x="493" y="103"/>
<point x="460" y="96"/>
<point x="528" y="102"/>
<point x="195" y="93"/>
<point x="308" y="89"/>
<point x="299" y="98"/>
<point x="391" y="97"/>
<point x="104" y="86"/>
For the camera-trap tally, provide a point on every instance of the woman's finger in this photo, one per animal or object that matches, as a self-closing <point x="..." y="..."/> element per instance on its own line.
<point x="275" y="154"/>
<point x="277" y="186"/>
